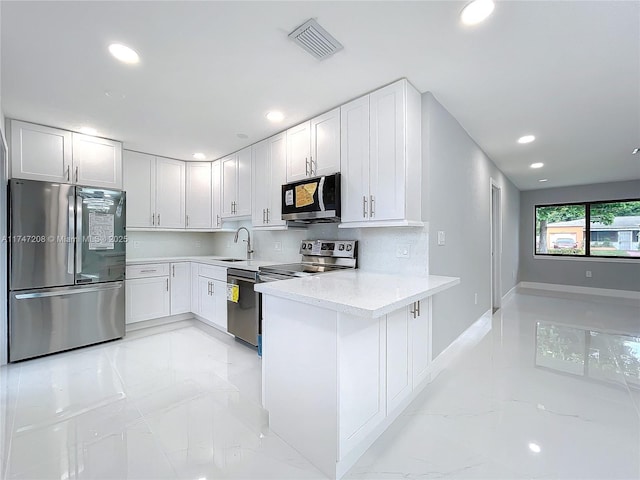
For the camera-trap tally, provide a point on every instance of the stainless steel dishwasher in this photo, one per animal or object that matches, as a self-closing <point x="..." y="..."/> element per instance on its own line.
<point x="243" y="316"/>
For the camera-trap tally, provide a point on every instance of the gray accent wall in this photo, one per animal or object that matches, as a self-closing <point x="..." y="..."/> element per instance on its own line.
<point x="609" y="274"/>
<point x="457" y="179"/>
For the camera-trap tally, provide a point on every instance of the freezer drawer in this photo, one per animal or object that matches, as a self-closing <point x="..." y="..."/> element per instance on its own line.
<point x="55" y="319"/>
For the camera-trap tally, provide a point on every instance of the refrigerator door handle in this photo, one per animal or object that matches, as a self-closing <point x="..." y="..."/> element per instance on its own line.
<point x="79" y="239"/>
<point x="71" y="232"/>
<point x="75" y="291"/>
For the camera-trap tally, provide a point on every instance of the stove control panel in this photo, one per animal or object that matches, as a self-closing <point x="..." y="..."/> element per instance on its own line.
<point x="329" y="248"/>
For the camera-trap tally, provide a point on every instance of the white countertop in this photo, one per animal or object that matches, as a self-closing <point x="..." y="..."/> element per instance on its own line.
<point x="357" y="292"/>
<point x="216" y="260"/>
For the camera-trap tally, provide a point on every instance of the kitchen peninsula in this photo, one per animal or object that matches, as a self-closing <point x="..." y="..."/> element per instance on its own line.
<point x="343" y="354"/>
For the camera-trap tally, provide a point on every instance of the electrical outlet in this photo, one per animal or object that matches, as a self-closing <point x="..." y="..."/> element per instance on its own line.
<point x="475" y="298"/>
<point x="136" y="244"/>
<point x="588" y="273"/>
<point x="403" y="250"/>
<point x="441" y="238"/>
<point x="278" y="246"/>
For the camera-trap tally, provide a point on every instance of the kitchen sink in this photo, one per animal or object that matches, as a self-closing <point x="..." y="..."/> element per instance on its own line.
<point x="230" y="259"/>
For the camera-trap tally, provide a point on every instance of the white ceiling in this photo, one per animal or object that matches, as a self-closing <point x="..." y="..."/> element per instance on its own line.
<point x="567" y="72"/>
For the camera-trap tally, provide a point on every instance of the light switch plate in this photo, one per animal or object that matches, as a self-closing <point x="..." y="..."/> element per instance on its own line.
<point x="403" y="250"/>
<point x="441" y="237"/>
<point x="278" y="246"/>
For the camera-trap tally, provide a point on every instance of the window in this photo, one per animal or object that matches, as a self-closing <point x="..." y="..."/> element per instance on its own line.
<point x="590" y="229"/>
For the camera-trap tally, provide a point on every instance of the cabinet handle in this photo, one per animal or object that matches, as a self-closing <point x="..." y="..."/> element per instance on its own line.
<point x="413" y="310"/>
<point x="364" y="206"/>
<point x="264" y="216"/>
<point x="68" y="168"/>
<point x="173" y="267"/>
<point x="314" y="171"/>
<point x="418" y="308"/>
<point x="153" y="219"/>
<point x="152" y="270"/>
<point x="218" y="220"/>
<point x="373" y="205"/>
<point x="167" y="284"/>
<point x="158" y="219"/>
<point x="306" y="166"/>
<point x="268" y="221"/>
<point x="76" y="174"/>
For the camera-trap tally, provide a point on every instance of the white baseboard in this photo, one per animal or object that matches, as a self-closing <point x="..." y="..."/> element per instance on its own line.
<point x="604" y="292"/>
<point x="468" y="339"/>
<point x="509" y="294"/>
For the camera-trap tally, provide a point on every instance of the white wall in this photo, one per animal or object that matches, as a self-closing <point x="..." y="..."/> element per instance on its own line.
<point x="169" y="244"/>
<point x="457" y="178"/>
<point x="610" y="274"/>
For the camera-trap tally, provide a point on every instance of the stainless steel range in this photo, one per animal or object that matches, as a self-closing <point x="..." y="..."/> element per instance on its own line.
<point x="318" y="256"/>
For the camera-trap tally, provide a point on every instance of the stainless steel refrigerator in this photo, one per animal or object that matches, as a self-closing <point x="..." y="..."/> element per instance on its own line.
<point x="66" y="267"/>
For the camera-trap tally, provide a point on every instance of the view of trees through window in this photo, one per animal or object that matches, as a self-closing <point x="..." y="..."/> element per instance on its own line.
<point x="595" y="229"/>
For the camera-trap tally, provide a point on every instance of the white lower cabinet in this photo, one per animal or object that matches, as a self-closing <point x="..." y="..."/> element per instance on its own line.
<point x="420" y="334"/>
<point x="212" y="301"/>
<point x="180" y="288"/>
<point x="147" y="292"/>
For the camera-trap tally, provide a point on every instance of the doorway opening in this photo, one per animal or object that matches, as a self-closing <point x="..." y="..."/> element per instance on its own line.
<point x="496" y="246"/>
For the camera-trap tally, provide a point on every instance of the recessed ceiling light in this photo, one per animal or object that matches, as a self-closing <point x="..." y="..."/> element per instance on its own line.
<point x="476" y="11"/>
<point x="543" y="180"/>
<point x="88" y="130"/>
<point x="275" y="116"/>
<point x="534" y="447"/>
<point x="242" y="135"/>
<point x="124" y="53"/>
<point x="526" y="139"/>
<point x="635" y="150"/>
<point x="199" y="156"/>
<point x="537" y="165"/>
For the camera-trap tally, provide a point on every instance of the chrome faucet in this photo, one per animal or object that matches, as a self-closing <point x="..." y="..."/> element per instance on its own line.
<point x="248" y="240"/>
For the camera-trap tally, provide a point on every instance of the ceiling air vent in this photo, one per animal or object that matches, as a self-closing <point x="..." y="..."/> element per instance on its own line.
<point x="315" y="40"/>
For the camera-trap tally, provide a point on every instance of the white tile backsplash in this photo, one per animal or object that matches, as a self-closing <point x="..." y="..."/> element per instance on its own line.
<point x="169" y="244"/>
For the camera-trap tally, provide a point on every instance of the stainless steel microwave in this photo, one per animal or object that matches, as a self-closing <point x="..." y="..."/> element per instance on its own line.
<point x="312" y="200"/>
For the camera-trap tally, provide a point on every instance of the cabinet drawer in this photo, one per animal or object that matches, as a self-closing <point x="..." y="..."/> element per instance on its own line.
<point x="215" y="273"/>
<point x="147" y="270"/>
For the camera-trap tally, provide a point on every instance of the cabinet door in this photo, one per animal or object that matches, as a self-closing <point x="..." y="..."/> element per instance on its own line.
<point x="354" y="152"/>
<point x="325" y="144"/>
<point x="260" y="180"/>
<point x="147" y="298"/>
<point x="206" y="299"/>
<point x="399" y="376"/>
<point x="40" y="153"/>
<point x="140" y="185"/>
<point x="298" y="151"/>
<point x="97" y="162"/>
<point x="220" y="308"/>
<point x="195" y="298"/>
<point x="387" y="153"/>
<point x="216" y="192"/>
<point x="229" y="183"/>
<point x="243" y="190"/>
<point x="170" y="208"/>
<point x="278" y="177"/>
<point x="421" y="339"/>
<point x="180" y="287"/>
<point x="198" y="195"/>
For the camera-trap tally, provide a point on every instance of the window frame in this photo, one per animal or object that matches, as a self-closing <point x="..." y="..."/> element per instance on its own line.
<point x="587" y="233"/>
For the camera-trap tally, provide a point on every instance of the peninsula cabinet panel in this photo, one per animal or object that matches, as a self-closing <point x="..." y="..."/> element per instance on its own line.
<point x="399" y="375"/>
<point x="420" y="320"/>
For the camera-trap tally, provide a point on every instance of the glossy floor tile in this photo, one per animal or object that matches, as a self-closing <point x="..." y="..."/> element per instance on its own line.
<point x="552" y="391"/>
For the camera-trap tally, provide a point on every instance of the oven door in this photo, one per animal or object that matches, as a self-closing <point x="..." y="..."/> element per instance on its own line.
<point x="314" y="199"/>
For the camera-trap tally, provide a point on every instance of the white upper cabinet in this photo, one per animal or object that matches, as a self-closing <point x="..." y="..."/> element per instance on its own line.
<point x="198" y="195"/>
<point x="140" y="185"/>
<point x="325" y="144"/>
<point x="54" y="155"/>
<point x="170" y="197"/>
<point x="97" y="162"/>
<point x="268" y="174"/>
<point x="216" y="194"/>
<point x="40" y="153"/>
<point x="313" y="147"/>
<point x="236" y="184"/>
<point x="381" y="182"/>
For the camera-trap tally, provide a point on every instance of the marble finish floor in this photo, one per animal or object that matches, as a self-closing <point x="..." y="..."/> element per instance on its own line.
<point x="552" y="391"/>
